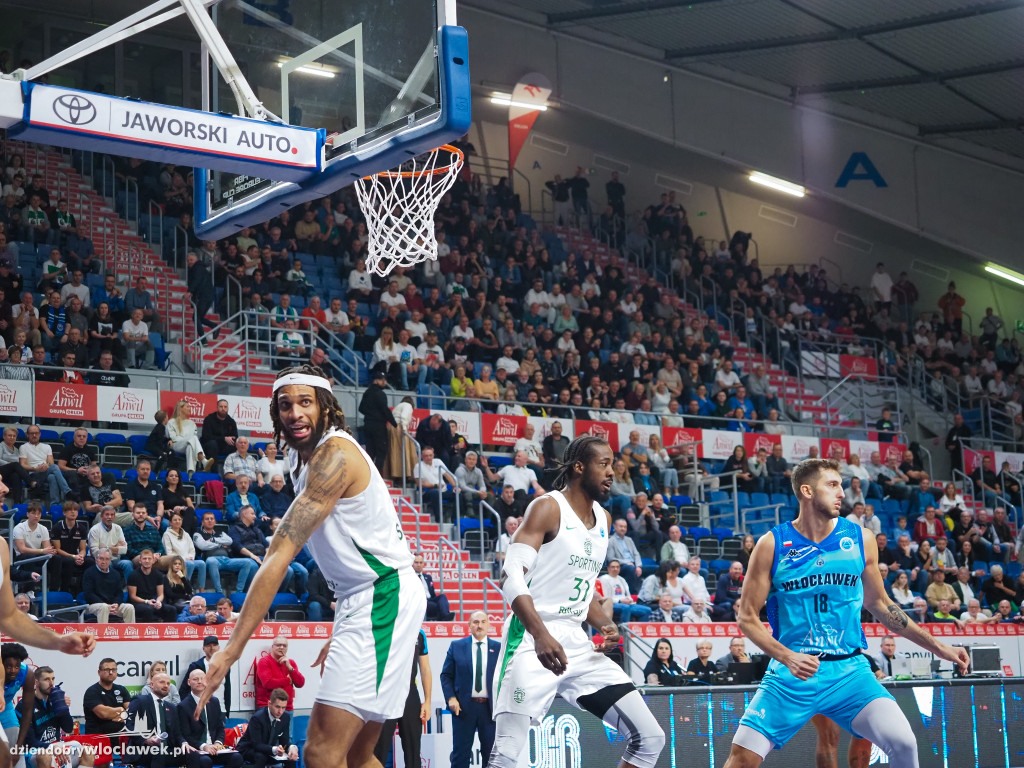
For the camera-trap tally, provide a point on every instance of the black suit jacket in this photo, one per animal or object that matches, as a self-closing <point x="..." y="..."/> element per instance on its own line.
<point x="200" y="663"/>
<point x="142" y="716"/>
<point x="262" y="736"/>
<point x="192" y="730"/>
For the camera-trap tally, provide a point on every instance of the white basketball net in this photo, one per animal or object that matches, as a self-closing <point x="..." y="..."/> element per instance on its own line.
<point x="399" y="207"/>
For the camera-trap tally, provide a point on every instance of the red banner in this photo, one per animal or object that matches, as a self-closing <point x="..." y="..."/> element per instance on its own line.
<point x="201" y="404"/>
<point x="606" y="430"/>
<point x="829" y="446"/>
<point x="501" y="430"/>
<point x="861" y="367"/>
<point x="75" y="402"/>
<point x="533" y="89"/>
<point x="892" y="449"/>
<point x="676" y="437"/>
<point x="972" y="459"/>
<point x="753" y="441"/>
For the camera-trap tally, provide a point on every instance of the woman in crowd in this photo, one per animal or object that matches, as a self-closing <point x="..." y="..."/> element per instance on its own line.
<point x="156" y="668"/>
<point x="178" y="542"/>
<point x="746" y="548"/>
<point x="178" y="591"/>
<point x="737" y="463"/>
<point x="662" y="669"/>
<point x="660" y="459"/>
<point x="702" y="666"/>
<point x="665" y="580"/>
<point x="177" y="501"/>
<point x="951" y="504"/>
<point x="901" y="591"/>
<point x="271" y="463"/>
<point x="622" y="489"/>
<point x="181" y="431"/>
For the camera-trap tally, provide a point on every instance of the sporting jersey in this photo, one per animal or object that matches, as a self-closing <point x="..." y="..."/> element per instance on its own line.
<point x="361" y="540"/>
<point x="562" y="578"/>
<point x="816" y="595"/>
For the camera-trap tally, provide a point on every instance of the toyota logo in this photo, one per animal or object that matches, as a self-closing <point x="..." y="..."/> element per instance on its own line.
<point x="74" y="109"/>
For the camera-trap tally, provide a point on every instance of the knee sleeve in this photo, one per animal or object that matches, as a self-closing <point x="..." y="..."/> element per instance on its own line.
<point x="633" y="720"/>
<point x="882" y="722"/>
<point x="510" y="734"/>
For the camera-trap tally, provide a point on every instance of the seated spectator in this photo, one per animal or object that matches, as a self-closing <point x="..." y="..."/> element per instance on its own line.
<point x="662" y="669"/>
<point x="854" y="495"/>
<point x="869" y="520"/>
<point x="143" y="535"/>
<point x="37" y="460"/>
<point x="533" y="449"/>
<point x="266" y="739"/>
<point x="227" y="610"/>
<point x="241" y="497"/>
<point x="146" y="491"/>
<point x="508" y="505"/>
<point x="276" y="497"/>
<point x="737" y="654"/>
<point x="644" y="527"/>
<point x="928" y="526"/>
<point x="247" y="540"/>
<point x="272" y="462"/>
<point x="694" y="586"/>
<point x="940" y="590"/>
<point x="622" y="548"/>
<point x="942" y="557"/>
<point x="138" y="348"/>
<point x="219" y="434"/>
<point x="177" y="542"/>
<point x="553" y="446"/>
<point x="146" y="590"/>
<point x="432" y="474"/>
<point x="621" y="493"/>
<point x="901" y="592"/>
<point x="997" y="587"/>
<point x="74" y="462"/>
<point x="469" y="479"/>
<point x="702" y="666"/>
<point x="975" y="615"/>
<point x="31" y="541"/>
<point x="986" y="482"/>
<point x="107" y="534"/>
<point x="727" y="593"/>
<point x="100" y="495"/>
<point x="104" y="588"/>
<point x="14" y="475"/>
<point x="276" y="671"/>
<point x="177" y="589"/>
<point x="966" y="585"/>
<point x="177" y="501"/>
<point x="615" y="588"/>
<point x="105" y="702"/>
<point x="520" y="476"/>
<point x="241" y="462"/>
<point x="666" y="612"/>
<point x="70" y="539"/>
<point x="321" y="601"/>
<point x="778" y="471"/>
<point x="943" y="614"/>
<point x="110" y="372"/>
<point x="214" y="547"/>
<point x="674" y="548"/>
<point x="437" y="604"/>
<point x="197" y="612"/>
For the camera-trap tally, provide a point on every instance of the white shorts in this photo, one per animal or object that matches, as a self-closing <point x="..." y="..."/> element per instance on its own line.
<point x="371" y="657"/>
<point x="525" y="687"/>
<point x="71" y="748"/>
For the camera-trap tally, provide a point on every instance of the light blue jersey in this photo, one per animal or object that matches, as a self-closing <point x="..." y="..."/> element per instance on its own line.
<point x="816" y="595"/>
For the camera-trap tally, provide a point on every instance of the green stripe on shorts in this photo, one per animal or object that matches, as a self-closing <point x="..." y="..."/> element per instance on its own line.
<point x="516" y="630"/>
<point x="384" y="610"/>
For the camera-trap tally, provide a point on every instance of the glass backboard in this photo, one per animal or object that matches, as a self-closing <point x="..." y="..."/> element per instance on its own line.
<point x="384" y="80"/>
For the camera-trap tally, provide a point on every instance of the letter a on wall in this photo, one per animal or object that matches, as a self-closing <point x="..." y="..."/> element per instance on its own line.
<point x="860" y="168"/>
<point x="533" y="88"/>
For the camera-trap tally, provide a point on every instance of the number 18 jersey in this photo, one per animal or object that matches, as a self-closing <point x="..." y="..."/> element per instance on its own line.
<point x="562" y="578"/>
<point x="816" y="595"/>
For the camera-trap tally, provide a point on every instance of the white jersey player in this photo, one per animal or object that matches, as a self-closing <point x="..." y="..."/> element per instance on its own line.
<point x="344" y="510"/>
<point x="549" y="575"/>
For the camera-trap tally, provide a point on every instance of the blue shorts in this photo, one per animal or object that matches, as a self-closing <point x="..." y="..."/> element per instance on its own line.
<point x="839" y="690"/>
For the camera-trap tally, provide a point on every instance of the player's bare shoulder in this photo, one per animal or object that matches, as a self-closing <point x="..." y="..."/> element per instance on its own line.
<point x="542" y="516"/>
<point x="339" y="467"/>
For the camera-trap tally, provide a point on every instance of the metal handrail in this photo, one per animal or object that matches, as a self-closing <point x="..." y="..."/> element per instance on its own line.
<point x="129" y="182"/>
<point x="104" y="159"/>
<point x="1018" y="508"/>
<point x="743" y="514"/>
<point x="159" y="228"/>
<point x="44" y="581"/>
<point x="629" y="637"/>
<point x="406" y="473"/>
<point x="402" y="501"/>
<point x="497" y="526"/>
<point x="444" y="542"/>
<point x="488" y="582"/>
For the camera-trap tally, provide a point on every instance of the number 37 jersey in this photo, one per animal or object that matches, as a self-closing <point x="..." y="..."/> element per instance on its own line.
<point x="816" y="595"/>
<point x="562" y="579"/>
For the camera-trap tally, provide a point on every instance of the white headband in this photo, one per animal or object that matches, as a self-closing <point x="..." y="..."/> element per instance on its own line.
<point x="302" y="378"/>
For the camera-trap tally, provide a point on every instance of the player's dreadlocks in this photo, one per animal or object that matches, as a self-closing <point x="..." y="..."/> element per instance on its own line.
<point x="331" y="414"/>
<point x="579" y="450"/>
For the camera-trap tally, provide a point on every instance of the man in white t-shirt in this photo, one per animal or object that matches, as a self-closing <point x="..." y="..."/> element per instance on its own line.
<point x="410" y="358"/>
<point x="431" y="474"/>
<point x="431" y="355"/>
<point x="392" y="298"/>
<point x="30" y="540"/>
<point x="462" y="330"/>
<point x="537" y="295"/>
<point x="694" y="586"/>
<point x="336" y="320"/>
<point x="534" y="451"/>
<point x="507" y="361"/>
<point x="727" y="379"/>
<point x="881" y="287"/>
<point x="135" y="338"/>
<point x="290" y="345"/>
<point x="520" y="476"/>
<point x="615" y="588"/>
<point x="415" y="326"/>
<point x="75" y="288"/>
<point x="36" y="458"/>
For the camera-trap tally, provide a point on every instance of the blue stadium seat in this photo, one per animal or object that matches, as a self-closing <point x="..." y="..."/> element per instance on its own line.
<point x="103" y="439"/>
<point x="719" y="565"/>
<point x="744" y="500"/>
<point x="138" y="443"/>
<point x="217" y="514"/>
<point x="782" y="498"/>
<point x="48" y="434"/>
<point x="237" y="598"/>
<point x="722" y="533"/>
<point x="894" y="507"/>
<point x="679" y="500"/>
<point x="211" y="598"/>
<point x="699" y="532"/>
<point x="198" y="478"/>
<point x="760" y="500"/>
<point x="283" y="599"/>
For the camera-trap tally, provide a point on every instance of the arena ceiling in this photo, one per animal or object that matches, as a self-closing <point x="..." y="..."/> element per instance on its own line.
<point x="953" y="70"/>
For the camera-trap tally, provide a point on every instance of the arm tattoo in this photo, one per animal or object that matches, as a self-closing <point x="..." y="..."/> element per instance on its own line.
<point x="894" y="618"/>
<point x="325" y="478"/>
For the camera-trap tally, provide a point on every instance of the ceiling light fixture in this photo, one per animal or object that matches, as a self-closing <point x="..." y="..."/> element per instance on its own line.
<point x="1013" y="277"/>
<point x="779" y="185"/>
<point x="310" y="71"/>
<point x="505" y="100"/>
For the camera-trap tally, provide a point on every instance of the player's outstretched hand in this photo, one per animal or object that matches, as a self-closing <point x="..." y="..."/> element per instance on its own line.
<point x="610" y="635"/>
<point x="957" y="655"/>
<point x="802" y="665"/>
<point x="216" y="670"/>
<point x="77" y="643"/>
<point x="551" y="654"/>
<point x="321" y="658"/>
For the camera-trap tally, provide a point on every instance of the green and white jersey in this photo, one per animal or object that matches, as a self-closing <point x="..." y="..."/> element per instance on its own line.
<point x="361" y="541"/>
<point x="562" y="579"/>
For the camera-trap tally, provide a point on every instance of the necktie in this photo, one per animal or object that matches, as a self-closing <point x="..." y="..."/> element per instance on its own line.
<point x="478" y="683"/>
<point x="206" y="726"/>
<point x="159" y="716"/>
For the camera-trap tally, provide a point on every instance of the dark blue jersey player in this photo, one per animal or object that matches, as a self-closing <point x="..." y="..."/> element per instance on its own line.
<point x="816" y="573"/>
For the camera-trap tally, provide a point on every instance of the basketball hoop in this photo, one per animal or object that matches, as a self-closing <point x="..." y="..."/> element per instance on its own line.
<point x="399" y="207"/>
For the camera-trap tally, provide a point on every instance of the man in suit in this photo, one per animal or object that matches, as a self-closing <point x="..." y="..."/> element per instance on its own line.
<point x="265" y="741"/>
<point x="437" y="605"/>
<point x="466" y="683"/>
<point x="154" y="715"/>
<point x="203" y="738"/>
<point x="210" y="646"/>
